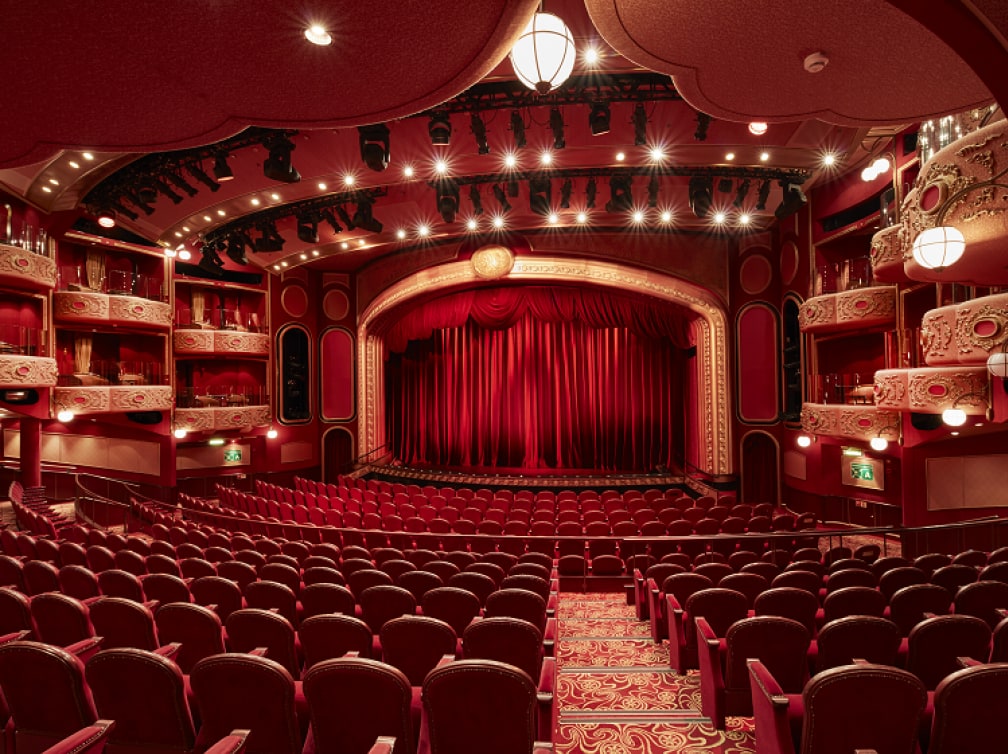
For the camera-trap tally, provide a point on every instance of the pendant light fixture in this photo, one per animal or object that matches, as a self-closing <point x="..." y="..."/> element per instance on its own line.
<point x="543" y="56"/>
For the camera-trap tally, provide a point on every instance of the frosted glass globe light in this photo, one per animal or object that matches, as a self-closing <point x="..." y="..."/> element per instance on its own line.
<point x="997" y="364"/>
<point x="954" y="417"/>
<point x="938" y="248"/>
<point x="543" y="56"/>
<point x="879" y="443"/>
<point x="803" y="441"/>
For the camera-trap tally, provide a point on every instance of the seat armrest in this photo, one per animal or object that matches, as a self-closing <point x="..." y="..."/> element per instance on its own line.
<point x="770" y="710"/>
<point x="968" y="662"/>
<point x="859" y="661"/>
<point x="353" y="653"/>
<point x="445" y="659"/>
<point x="1001" y="612"/>
<point x="89" y="740"/>
<point x="15" y="636"/>
<point x="85" y="649"/>
<point x="233" y="743"/>
<point x="765" y="684"/>
<point x="865" y="751"/>
<point x="259" y="651"/>
<point x="712" y="684"/>
<point x="383" y="745"/>
<point x="169" y="650"/>
<point x="547" y="675"/>
<point x="152" y="605"/>
<point x="91" y="600"/>
<point x="542" y="747"/>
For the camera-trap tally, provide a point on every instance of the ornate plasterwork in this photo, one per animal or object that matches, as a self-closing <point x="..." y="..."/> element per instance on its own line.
<point x="492" y="262"/>
<point x="817" y="312"/>
<point x="934" y="390"/>
<point x="890" y="388"/>
<point x="887" y="254"/>
<point x="27" y="371"/>
<point x="856" y="422"/>
<point x="710" y="330"/>
<point x="81" y="400"/>
<point x="242" y="416"/>
<point x="22" y="269"/>
<point x="193" y="341"/>
<point x="115" y="398"/>
<point x="229" y="341"/>
<point x="80" y="305"/>
<point x="134" y="309"/>
<point x="936" y="332"/>
<point x="194" y="419"/>
<point x="866" y="305"/>
<point x="981" y="326"/>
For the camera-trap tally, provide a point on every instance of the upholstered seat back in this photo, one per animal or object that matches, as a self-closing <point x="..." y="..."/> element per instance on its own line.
<point x="853" y="600"/>
<point x="504" y="639"/>
<point x="415" y="644"/>
<point x="79" y="582"/>
<point x="320" y="599"/>
<point x="145" y="694"/>
<point x="781" y="644"/>
<point x="198" y="629"/>
<point x="41" y="576"/>
<point x="324" y="637"/>
<point x="165" y="588"/>
<point x="935" y="645"/>
<point x="969" y="709"/>
<point x="118" y="583"/>
<point x="517" y="603"/>
<point x="269" y="595"/>
<point x="251" y="628"/>
<point x="123" y="623"/>
<point x="60" y="620"/>
<point x="864" y="637"/>
<point x="352" y="701"/>
<point x="982" y="599"/>
<point x="720" y="607"/>
<point x="15" y="611"/>
<point x="908" y="605"/>
<point x="219" y="591"/>
<point x="456" y="607"/>
<point x="380" y="604"/>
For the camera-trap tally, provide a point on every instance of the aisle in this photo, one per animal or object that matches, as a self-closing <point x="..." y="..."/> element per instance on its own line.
<point x="616" y="692"/>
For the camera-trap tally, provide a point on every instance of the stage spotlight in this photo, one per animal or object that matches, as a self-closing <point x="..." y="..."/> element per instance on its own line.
<point x="762" y="195"/>
<point x="556" y="125"/>
<point x="477" y="201"/>
<point x="793" y="200"/>
<point x="620" y="199"/>
<point x="123" y="210"/>
<point x="221" y="169"/>
<point x="146" y="195"/>
<point x="341" y="211"/>
<point x="652" y="191"/>
<point x="512" y="188"/>
<point x="540" y="196"/>
<point x="236" y="248"/>
<point x="439" y="128"/>
<point x="639" y="120"/>
<point x="724" y="185"/>
<point x="501" y="197"/>
<point x="269" y="239"/>
<point x="210" y="262"/>
<point x="364" y="217"/>
<point x="278" y="166"/>
<point x="374" y="146"/>
<point x="703" y="121"/>
<point x="164" y="188"/>
<point x="307" y="228"/>
<point x="447" y="199"/>
<point x="741" y="193"/>
<point x="565" y="193"/>
<point x="701" y="189"/>
<point x="518" y="129"/>
<point x="197" y="172"/>
<point x="106" y="218"/>
<point x="591" y="189"/>
<point x="598" y="118"/>
<point x="329" y="217"/>
<point x="181" y="182"/>
<point x="478" y="128"/>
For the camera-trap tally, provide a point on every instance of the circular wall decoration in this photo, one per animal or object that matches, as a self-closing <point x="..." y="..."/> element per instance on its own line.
<point x="336" y="305"/>
<point x="755" y="274"/>
<point x="490" y="262"/>
<point x="789" y="262"/>
<point x="294" y="301"/>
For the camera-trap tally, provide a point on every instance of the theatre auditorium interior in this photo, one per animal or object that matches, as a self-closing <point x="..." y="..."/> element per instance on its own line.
<point x="504" y="377"/>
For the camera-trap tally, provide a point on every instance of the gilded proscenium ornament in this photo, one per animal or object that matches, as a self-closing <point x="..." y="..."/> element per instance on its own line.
<point x="22" y="269"/>
<point x="817" y="312"/>
<point x="491" y="262"/>
<point x="27" y="371"/>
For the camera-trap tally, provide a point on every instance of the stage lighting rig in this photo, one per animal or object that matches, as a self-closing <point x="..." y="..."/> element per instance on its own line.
<point x="703" y="121"/>
<point x="565" y="193"/>
<point x="518" y="129"/>
<point x="221" y="169"/>
<point x="477" y="201"/>
<point x="591" y="189"/>
<point x="620" y="199"/>
<point x="652" y="191"/>
<point x="478" y="128"/>
<point x="639" y="120"/>
<point x="447" y="198"/>
<point x="501" y="197"/>
<point x="556" y="124"/>
<point x="701" y="190"/>
<point x="307" y="228"/>
<point x="599" y="118"/>
<point x="269" y="239"/>
<point x="278" y="166"/>
<point x="762" y="195"/>
<point x="741" y="193"/>
<point x="374" y="146"/>
<point x="364" y="217"/>
<point x="439" y="128"/>
<point x="540" y="200"/>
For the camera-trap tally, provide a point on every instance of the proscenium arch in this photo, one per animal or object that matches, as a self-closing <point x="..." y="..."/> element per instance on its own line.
<point x="713" y="398"/>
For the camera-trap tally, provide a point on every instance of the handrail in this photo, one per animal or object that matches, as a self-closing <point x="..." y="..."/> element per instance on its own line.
<point x="365" y="458"/>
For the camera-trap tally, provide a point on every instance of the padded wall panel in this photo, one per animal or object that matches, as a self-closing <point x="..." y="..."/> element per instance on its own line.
<point x="337" y="379"/>
<point x="758" y="364"/>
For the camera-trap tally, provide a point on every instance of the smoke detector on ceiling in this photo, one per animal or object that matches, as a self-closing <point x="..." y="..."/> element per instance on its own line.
<point x="815" y="62"/>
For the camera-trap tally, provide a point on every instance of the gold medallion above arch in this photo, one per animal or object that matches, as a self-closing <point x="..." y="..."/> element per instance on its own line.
<point x="713" y="400"/>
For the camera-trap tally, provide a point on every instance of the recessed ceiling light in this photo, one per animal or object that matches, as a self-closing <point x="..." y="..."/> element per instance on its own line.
<point x="283" y="264"/>
<point x="408" y="171"/>
<point x="74" y="164"/>
<point x="170" y="253"/>
<point x="423" y="231"/>
<point x="546" y="157"/>
<point x="344" y="245"/>
<point x="322" y="186"/>
<point x="441" y="167"/>
<point x="581" y="217"/>
<point x="87" y="156"/>
<point x="47" y="189"/>
<point x="185" y="228"/>
<point x="275" y="196"/>
<point x="954" y="434"/>
<point x="591" y="56"/>
<point x="185" y="255"/>
<point x="637" y="216"/>
<point x="764" y="156"/>
<point x="207" y="218"/>
<point x="829" y="159"/>
<point x="315" y="252"/>
<point x="256" y="202"/>
<point x="318" y="35"/>
<point x="400" y="234"/>
<point x="657" y="154"/>
<point x="221" y="212"/>
<point x="276" y="267"/>
<point x="54" y="182"/>
<point x="757" y="128"/>
<point x="361" y="241"/>
<point x="510" y="160"/>
<point x="730" y="156"/>
<point x="349" y="179"/>
<point x="744" y="219"/>
<point x="304" y="256"/>
<point x="498" y="221"/>
<point x="620" y="156"/>
<point x="719" y="217"/>
<point x="553" y="218"/>
<point x="472" y="224"/>
<point x="178" y="234"/>
<point x="666" y="216"/>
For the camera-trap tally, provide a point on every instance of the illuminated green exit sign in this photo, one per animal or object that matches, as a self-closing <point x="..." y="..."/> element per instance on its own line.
<point x="232" y="455"/>
<point x="863" y="471"/>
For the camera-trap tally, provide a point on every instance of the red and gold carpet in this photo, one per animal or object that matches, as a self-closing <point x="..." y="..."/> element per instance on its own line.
<point x="617" y="695"/>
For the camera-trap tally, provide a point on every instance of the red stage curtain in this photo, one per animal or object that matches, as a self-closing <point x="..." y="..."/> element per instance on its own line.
<point x="538" y="378"/>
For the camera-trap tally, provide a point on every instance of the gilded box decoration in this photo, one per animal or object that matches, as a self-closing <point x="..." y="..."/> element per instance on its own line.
<point x="866" y="305"/>
<point x="81" y="400"/>
<point x="22" y="269"/>
<point x="230" y="341"/>
<point x="934" y="390"/>
<point x="817" y="312"/>
<point x="80" y="305"/>
<point x="140" y="311"/>
<point x="140" y="398"/>
<point x="27" y="371"/>
<point x="937" y="328"/>
<point x="887" y="255"/>
<point x="891" y="388"/>
<point x="194" y="419"/>
<point x="193" y="341"/>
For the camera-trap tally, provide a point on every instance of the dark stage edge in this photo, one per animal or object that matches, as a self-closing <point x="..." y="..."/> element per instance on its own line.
<point x="535" y="481"/>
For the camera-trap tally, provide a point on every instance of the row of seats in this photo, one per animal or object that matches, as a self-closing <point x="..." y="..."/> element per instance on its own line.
<point x="351" y="705"/>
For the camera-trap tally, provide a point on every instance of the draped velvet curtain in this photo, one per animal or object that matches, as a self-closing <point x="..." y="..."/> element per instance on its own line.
<point x="535" y="377"/>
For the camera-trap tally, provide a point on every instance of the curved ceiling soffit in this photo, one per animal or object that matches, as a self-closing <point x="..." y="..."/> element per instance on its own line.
<point x="884" y="67"/>
<point x="161" y="76"/>
<point x="711" y="333"/>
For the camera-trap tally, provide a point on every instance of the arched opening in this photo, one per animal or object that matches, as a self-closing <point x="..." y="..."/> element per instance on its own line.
<point x="337" y="452"/>
<point x="760" y="463"/>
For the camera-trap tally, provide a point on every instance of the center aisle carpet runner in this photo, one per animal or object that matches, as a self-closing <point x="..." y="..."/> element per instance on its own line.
<point x="616" y="693"/>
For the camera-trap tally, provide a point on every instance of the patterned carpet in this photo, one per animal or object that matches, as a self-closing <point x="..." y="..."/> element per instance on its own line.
<point x="616" y="693"/>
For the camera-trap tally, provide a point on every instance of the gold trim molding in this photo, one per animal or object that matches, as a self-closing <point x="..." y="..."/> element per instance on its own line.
<point x="713" y="435"/>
